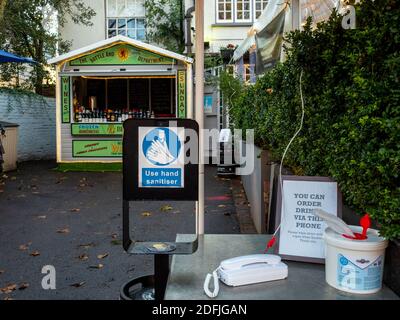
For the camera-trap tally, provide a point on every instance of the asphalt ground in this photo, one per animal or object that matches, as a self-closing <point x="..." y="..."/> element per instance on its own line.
<point x="72" y="221"/>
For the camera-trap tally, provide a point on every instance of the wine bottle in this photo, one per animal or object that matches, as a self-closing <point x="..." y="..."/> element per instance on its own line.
<point x="119" y="116"/>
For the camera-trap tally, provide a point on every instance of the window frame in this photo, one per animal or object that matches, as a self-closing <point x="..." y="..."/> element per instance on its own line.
<point x="126" y="18"/>
<point x="126" y="28"/>
<point x="262" y="9"/>
<point x="234" y="19"/>
<point x="251" y="4"/>
<point x="225" y="2"/>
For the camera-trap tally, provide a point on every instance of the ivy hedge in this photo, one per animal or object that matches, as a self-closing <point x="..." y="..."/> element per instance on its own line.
<point x="351" y="88"/>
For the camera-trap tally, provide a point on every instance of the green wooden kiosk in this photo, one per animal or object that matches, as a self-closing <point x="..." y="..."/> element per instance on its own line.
<point x="103" y="84"/>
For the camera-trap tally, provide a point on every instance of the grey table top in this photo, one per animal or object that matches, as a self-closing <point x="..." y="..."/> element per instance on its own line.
<point x="305" y="280"/>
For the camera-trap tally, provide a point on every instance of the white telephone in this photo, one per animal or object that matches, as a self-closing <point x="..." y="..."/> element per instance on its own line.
<point x="246" y="270"/>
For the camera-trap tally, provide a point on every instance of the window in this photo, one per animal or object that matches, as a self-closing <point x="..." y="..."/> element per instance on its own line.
<point x="243" y="11"/>
<point x="239" y="10"/>
<point x="130" y="27"/>
<point x="224" y="10"/>
<point x="259" y="7"/>
<point x="126" y="17"/>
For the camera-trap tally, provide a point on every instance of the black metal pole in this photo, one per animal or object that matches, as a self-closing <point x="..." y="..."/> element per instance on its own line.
<point x="161" y="273"/>
<point x="126" y="239"/>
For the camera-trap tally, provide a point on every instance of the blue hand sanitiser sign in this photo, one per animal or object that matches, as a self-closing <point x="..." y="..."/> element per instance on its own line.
<point x="161" y="157"/>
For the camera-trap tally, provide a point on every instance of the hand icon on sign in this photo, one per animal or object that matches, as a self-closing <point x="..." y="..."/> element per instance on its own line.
<point x="161" y="147"/>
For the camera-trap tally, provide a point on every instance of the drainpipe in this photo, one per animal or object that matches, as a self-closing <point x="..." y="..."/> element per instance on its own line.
<point x="188" y="31"/>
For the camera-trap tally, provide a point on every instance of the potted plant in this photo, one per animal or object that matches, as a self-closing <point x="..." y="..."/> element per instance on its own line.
<point x="227" y="53"/>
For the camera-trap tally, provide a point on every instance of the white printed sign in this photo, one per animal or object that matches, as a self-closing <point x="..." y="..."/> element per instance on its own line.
<point x="301" y="231"/>
<point x="161" y="157"/>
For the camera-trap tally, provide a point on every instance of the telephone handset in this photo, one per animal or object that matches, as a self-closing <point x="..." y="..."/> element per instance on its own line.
<point x="244" y="270"/>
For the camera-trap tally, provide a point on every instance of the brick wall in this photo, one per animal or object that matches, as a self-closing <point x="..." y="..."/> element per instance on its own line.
<point x="37" y="125"/>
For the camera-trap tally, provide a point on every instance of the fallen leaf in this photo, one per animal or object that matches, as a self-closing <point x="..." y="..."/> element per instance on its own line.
<point x="83" y="183"/>
<point x="75" y="210"/>
<point x="78" y="284"/>
<point x="97" y="266"/>
<point x="35" y="253"/>
<point x="166" y="208"/>
<point x="221" y="206"/>
<point x="61" y="179"/>
<point x="114" y="235"/>
<point x="41" y="217"/>
<point x="65" y="230"/>
<point x="9" y="288"/>
<point x="87" y="245"/>
<point x="23" y="247"/>
<point x="23" y="286"/>
<point x="146" y="214"/>
<point x="83" y="257"/>
<point x="102" y="256"/>
<point x="116" y="242"/>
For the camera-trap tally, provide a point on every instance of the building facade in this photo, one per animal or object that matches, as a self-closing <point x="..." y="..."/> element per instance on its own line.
<point x="226" y="22"/>
<point x="113" y="17"/>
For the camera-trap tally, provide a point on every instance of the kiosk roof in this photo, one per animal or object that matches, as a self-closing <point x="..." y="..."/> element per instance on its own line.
<point x="119" y="39"/>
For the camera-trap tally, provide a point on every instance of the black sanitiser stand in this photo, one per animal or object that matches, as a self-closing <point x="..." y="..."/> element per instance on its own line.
<point x="150" y="287"/>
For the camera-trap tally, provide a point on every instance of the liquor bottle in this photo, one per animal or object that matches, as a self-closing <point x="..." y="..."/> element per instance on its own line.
<point x="112" y="117"/>
<point x="152" y="115"/>
<point x="119" y="116"/>
<point x="108" y="115"/>
<point x="79" y="116"/>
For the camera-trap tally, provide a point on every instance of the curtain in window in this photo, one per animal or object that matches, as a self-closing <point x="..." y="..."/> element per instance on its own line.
<point x="240" y="69"/>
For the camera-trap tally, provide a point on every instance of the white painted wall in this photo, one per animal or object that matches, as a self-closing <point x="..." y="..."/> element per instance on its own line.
<point x="37" y="124"/>
<point x="218" y="35"/>
<point x="82" y="35"/>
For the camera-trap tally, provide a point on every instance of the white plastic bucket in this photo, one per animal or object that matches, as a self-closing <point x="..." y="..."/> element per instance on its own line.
<point x="354" y="266"/>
